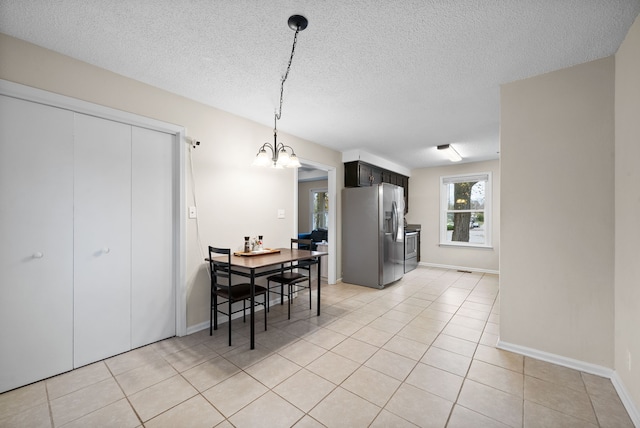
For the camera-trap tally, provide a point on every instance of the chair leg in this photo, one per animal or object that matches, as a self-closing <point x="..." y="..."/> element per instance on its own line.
<point x="289" y="302"/>
<point x="244" y="310"/>
<point x="281" y="293"/>
<point x="265" y="312"/>
<point x="267" y="297"/>
<point x="229" y="301"/>
<point x="211" y="314"/>
<point x="215" y="313"/>
<point x="309" y="290"/>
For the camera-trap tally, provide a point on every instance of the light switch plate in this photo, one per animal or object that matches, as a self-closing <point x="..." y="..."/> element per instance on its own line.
<point x="192" y="212"/>
<point x="280" y="213"/>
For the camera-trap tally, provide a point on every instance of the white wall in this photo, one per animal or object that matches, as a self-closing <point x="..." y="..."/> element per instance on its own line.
<point x="424" y="209"/>
<point x="557" y="212"/>
<point x="234" y="199"/>
<point x="627" y="232"/>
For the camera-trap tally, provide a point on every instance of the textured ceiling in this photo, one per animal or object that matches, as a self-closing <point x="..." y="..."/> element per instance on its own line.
<point x="392" y="78"/>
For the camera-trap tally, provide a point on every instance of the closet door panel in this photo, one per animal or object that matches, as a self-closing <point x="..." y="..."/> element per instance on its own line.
<point x="102" y="239"/>
<point x="36" y="242"/>
<point x="152" y="291"/>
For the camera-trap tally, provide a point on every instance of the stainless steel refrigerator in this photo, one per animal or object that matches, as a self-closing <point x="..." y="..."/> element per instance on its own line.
<point x="373" y="235"/>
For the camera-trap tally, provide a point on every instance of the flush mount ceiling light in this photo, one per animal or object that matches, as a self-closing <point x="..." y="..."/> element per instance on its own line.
<point x="281" y="154"/>
<point x="450" y="152"/>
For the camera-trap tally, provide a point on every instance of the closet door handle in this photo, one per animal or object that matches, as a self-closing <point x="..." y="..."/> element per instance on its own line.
<point x="38" y="255"/>
<point x="106" y="250"/>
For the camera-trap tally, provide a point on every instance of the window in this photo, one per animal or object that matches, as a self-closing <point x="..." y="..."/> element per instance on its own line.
<point x="465" y="210"/>
<point x="319" y="209"/>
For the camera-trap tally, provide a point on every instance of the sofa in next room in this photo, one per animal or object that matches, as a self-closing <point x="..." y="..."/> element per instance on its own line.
<point x="316" y="235"/>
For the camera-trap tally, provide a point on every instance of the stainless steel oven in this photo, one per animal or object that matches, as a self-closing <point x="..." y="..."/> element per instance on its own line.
<point x="411" y="248"/>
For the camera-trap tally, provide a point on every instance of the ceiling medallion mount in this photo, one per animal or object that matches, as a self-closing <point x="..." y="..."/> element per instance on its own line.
<point x="298" y="22"/>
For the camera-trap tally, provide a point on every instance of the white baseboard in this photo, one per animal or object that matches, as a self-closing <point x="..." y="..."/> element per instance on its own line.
<point x="197" y="327"/>
<point x="634" y="412"/>
<point x="582" y="366"/>
<point x="557" y="359"/>
<point x="465" y="268"/>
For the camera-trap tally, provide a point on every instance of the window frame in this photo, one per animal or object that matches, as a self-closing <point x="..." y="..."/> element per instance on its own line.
<point x="312" y="193"/>
<point x="445" y="181"/>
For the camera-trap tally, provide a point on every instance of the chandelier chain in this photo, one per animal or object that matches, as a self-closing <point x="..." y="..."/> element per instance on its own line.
<point x="284" y="78"/>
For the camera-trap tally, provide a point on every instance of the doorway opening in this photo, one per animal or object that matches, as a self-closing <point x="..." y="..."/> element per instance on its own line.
<point x="315" y="192"/>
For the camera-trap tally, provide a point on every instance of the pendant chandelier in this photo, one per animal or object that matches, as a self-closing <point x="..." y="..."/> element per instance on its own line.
<point x="282" y="155"/>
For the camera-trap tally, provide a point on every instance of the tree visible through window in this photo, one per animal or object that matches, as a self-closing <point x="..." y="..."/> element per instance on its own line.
<point x="465" y="202"/>
<point x="319" y="209"/>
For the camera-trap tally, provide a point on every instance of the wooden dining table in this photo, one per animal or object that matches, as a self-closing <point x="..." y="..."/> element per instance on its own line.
<point x="253" y="266"/>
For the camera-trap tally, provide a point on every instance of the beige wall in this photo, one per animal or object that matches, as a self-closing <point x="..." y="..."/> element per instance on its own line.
<point x="234" y="199"/>
<point x="424" y="209"/>
<point x="627" y="232"/>
<point x="304" y="203"/>
<point x="557" y="212"/>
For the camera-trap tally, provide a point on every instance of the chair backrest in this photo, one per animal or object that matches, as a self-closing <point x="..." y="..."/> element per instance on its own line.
<point x="303" y="244"/>
<point x="219" y="269"/>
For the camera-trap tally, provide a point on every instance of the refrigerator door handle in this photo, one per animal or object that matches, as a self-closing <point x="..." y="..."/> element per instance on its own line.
<point x="394" y="220"/>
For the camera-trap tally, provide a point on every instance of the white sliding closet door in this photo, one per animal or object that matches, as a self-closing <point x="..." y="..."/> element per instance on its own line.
<point x="153" y="306"/>
<point x="36" y="242"/>
<point x="102" y="239"/>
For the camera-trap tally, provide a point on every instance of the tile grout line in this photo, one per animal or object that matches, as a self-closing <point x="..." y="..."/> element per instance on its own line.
<point x="590" y="399"/>
<point x="46" y="390"/>
<point x="472" y="357"/>
<point x="126" y="397"/>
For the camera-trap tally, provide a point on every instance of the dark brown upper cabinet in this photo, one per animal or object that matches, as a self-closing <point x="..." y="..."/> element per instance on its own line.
<point x="361" y="174"/>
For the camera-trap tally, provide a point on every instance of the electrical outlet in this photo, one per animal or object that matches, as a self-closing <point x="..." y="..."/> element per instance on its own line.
<point x="192" y="212"/>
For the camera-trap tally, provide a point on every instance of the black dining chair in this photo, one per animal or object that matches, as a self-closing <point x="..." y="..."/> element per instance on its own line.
<point x="292" y="278"/>
<point x="222" y="286"/>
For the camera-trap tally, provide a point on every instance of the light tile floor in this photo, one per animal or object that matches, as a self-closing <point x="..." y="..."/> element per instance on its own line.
<point x="418" y="353"/>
